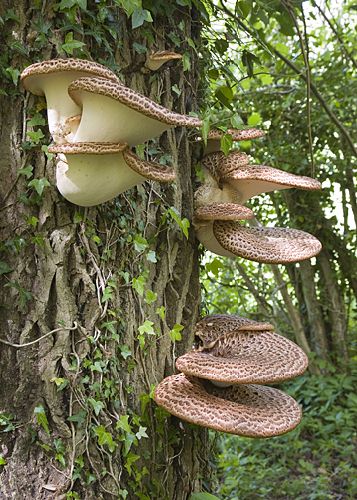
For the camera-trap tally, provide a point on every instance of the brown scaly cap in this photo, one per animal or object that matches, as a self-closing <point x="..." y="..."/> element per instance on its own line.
<point x="264" y="173"/>
<point x="57" y="65"/>
<point x="237" y="135"/>
<point x="149" y="169"/>
<point x="246" y="410"/>
<point x="273" y="245"/>
<point x="211" y="327"/>
<point x="217" y="165"/>
<point x="223" y="211"/>
<point x="246" y="357"/>
<point x="132" y="99"/>
<point x="93" y="148"/>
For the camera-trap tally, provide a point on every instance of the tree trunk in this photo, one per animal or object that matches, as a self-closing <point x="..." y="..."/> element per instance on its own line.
<point x="77" y="407"/>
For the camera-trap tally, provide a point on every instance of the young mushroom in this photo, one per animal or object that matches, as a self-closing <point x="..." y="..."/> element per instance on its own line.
<point x="114" y="113"/>
<point x="155" y="60"/>
<point x="51" y="79"/>
<point x="251" y="180"/>
<point x="246" y="410"/>
<point x="268" y="245"/>
<point x="92" y="173"/>
<point x="245" y="356"/>
<point x="210" y="328"/>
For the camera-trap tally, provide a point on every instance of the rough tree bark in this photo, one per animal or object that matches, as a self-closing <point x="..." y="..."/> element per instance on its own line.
<point x="75" y="404"/>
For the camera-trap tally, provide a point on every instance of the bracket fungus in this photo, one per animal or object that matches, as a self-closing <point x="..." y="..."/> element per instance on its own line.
<point x="92" y="173"/>
<point x="155" y="60"/>
<point x="245" y="357"/>
<point x="246" y="410"/>
<point x="268" y="245"/>
<point x="209" y="328"/>
<point x="52" y="79"/>
<point x="114" y="113"/>
<point x="205" y="217"/>
<point x="250" y="180"/>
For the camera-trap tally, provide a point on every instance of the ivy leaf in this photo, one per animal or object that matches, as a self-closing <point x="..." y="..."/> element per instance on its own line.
<point x="147" y="327"/>
<point x="26" y="171"/>
<point x="151" y="256"/>
<point x="2" y="460"/>
<point x="97" y="405"/>
<point x="14" y="74"/>
<point x="125" y="351"/>
<point x="150" y="296"/>
<point x="4" y="268"/>
<point x="161" y="311"/>
<point x="39" y="185"/>
<point x="123" y="424"/>
<point x="130" y="459"/>
<point x="70" y="44"/>
<point x="41" y="418"/>
<point x="68" y="4"/>
<point x="140" y="243"/>
<point x="35" y="136"/>
<point x="254" y="119"/>
<point x="214" y="266"/>
<point x="183" y="224"/>
<point x="226" y="143"/>
<point x="175" y="333"/>
<point x="139" y="16"/>
<point x="105" y="438"/>
<point x="203" y="496"/>
<point x="138" y="284"/>
<point x="141" y="433"/>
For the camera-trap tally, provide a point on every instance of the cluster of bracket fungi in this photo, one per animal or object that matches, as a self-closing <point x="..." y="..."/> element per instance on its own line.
<point x="94" y="120"/>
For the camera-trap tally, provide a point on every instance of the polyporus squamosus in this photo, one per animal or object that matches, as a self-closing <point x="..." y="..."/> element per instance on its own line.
<point x="91" y="173"/>
<point x="51" y="79"/>
<point x="247" y="410"/>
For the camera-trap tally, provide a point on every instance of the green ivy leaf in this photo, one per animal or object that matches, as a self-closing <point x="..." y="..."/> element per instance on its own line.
<point x="150" y="296"/>
<point x="175" y="333"/>
<point x="151" y="256"/>
<point x="139" y="283"/>
<point x="203" y="496"/>
<point x="147" y="327"/>
<point x="123" y="424"/>
<point x="35" y="136"/>
<point x="26" y="171"/>
<point x="41" y="418"/>
<point x="39" y="185"/>
<point x="140" y="243"/>
<point x="97" y="405"/>
<point x="139" y="16"/>
<point x="254" y="119"/>
<point x="125" y="351"/>
<point x="4" y="267"/>
<point x="161" y="311"/>
<point x="141" y="433"/>
<point x="70" y="44"/>
<point x="226" y="143"/>
<point x="105" y="438"/>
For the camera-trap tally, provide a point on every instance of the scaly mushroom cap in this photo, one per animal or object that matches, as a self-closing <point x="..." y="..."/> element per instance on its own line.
<point x="237" y="135"/>
<point x="115" y="113"/>
<point x="155" y="60"/>
<point x="205" y="216"/>
<point x="223" y="211"/>
<point x="51" y="79"/>
<point x="92" y="173"/>
<point x="246" y="410"/>
<point x="246" y="357"/>
<point x="269" y="245"/>
<point x="218" y="167"/>
<point x="211" y="327"/>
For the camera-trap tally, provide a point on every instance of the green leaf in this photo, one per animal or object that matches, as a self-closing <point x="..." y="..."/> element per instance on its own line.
<point x="183" y="224"/>
<point x="26" y="171"/>
<point x="105" y="438"/>
<point x="14" y="74"/>
<point x="39" y="185"/>
<point x="141" y="433"/>
<point x="70" y="44"/>
<point x="2" y="460"/>
<point x="224" y="94"/>
<point x="140" y="243"/>
<point x="147" y="327"/>
<point x="41" y="418"/>
<point x="203" y="496"/>
<point x="226" y="143"/>
<point x="68" y="4"/>
<point x="97" y="405"/>
<point x="175" y="333"/>
<point x="139" y="16"/>
<point x="4" y="268"/>
<point x="130" y="459"/>
<point x="35" y="136"/>
<point x="161" y="311"/>
<point x="123" y="424"/>
<point x="125" y="351"/>
<point x="138" y="284"/>
<point x="36" y="120"/>
<point x="186" y="62"/>
<point x="254" y="119"/>
<point x="214" y="266"/>
<point x="151" y="256"/>
<point x="150" y="296"/>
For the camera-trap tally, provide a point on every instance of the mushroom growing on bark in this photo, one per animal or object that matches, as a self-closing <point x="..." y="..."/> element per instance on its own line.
<point x="250" y="180"/>
<point x="114" y="113"/>
<point x="244" y="356"/>
<point x="92" y="173"/>
<point x="246" y="410"/>
<point x="52" y="79"/>
<point x="155" y="60"/>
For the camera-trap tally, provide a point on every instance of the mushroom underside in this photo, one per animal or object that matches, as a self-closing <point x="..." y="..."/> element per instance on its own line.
<point x="246" y="410"/>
